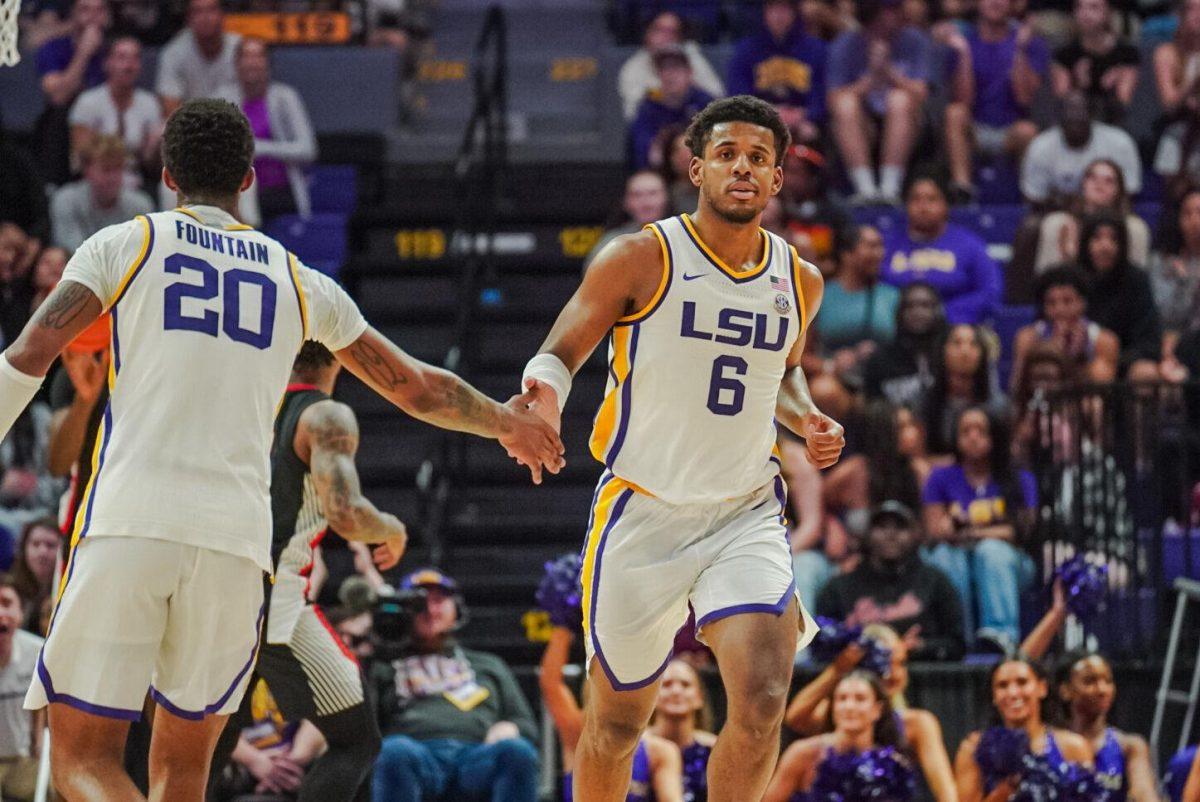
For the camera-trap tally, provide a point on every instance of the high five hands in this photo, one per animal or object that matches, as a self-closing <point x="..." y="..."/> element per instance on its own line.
<point x="531" y="437"/>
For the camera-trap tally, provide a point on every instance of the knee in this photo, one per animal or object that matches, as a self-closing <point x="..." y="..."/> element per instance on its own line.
<point x="900" y="102"/>
<point x="958" y="116"/>
<point x="400" y="752"/>
<point x="758" y="709"/>
<point x="517" y="755"/>
<point x="1021" y="134"/>
<point x="996" y="555"/>
<point x="614" y="737"/>
<point x="844" y="104"/>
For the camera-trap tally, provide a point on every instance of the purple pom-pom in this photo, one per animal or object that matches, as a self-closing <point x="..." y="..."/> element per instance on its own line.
<point x="831" y="638"/>
<point x="560" y="594"/>
<point x="1001" y="751"/>
<point x="1043" y="781"/>
<point x="1080" y="784"/>
<point x="1084" y="584"/>
<point x="878" y="658"/>
<point x="876" y="775"/>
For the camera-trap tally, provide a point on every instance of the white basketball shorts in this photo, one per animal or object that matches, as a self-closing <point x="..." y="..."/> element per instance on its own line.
<point x="645" y="560"/>
<point x="138" y="614"/>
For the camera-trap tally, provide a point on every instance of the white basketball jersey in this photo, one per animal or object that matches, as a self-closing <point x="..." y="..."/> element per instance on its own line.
<point x="689" y="413"/>
<point x="207" y="317"/>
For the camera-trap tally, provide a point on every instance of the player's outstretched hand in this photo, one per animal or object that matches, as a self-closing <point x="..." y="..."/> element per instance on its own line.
<point x="530" y="440"/>
<point x="824" y="438"/>
<point x="387" y="554"/>
<point x="545" y="403"/>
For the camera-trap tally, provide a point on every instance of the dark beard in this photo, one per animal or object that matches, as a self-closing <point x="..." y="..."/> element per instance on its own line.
<point x="739" y="216"/>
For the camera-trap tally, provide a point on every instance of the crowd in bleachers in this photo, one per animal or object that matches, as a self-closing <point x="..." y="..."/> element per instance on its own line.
<point x="917" y="127"/>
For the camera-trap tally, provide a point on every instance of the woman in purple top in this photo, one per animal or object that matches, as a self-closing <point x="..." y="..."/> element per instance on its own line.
<point x="864" y="724"/>
<point x="657" y="766"/>
<point x="976" y="512"/>
<point x="947" y="256"/>
<point x="682" y="716"/>
<point x="1019" y="689"/>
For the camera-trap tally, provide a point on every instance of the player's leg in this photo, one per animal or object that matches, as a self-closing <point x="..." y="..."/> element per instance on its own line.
<point x="99" y="657"/>
<point x="204" y="665"/>
<point x="315" y="677"/>
<point x="613" y="721"/>
<point x="87" y="756"/>
<point x="181" y="750"/>
<point x="747" y="613"/>
<point x="636" y="576"/>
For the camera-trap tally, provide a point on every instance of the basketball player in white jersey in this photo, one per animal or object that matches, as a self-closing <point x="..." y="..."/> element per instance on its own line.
<point x="706" y="315"/>
<point x="164" y="586"/>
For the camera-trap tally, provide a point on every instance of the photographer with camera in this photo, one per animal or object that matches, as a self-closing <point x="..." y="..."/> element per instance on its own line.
<point x="456" y="724"/>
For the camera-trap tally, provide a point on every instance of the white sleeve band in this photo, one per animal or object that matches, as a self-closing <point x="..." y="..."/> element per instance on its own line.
<point x="549" y="369"/>
<point x="17" y="389"/>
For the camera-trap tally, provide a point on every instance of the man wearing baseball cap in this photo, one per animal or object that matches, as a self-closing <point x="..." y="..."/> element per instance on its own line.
<point x="455" y="723"/>
<point x="894" y="586"/>
<point x="675" y="101"/>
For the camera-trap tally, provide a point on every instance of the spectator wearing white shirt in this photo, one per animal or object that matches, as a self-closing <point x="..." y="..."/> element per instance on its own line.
<point x="638" y="75"/>
<point x="284" y="142"/>
<point x="19" y="728"/>
<point x="1052" y="173"/>
<point x="118" y="107"/>
<point x="199" y="60"/>
<point x="80" y="209"/>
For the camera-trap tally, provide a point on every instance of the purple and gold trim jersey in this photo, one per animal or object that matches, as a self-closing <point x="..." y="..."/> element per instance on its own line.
<point x="689" y="412"/>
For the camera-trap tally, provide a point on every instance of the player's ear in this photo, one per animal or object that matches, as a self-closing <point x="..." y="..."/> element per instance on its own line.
<point x="777" y="179"/>
<point x="169" y="180"/>
<point x="247" y="180"/>
<point x="695" y="168"/>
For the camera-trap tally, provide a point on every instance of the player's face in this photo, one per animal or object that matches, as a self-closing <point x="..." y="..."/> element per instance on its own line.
<point x="41" y="552"/>
<point x="10" y="612"/>
<point x="1091" y="688"/>
<point x="679" y="694"/>
<point x="855" y="706"/>
<point x="738" y="174"/>
<point x="1063" y="305"/>
<point x="1017" y="693"/>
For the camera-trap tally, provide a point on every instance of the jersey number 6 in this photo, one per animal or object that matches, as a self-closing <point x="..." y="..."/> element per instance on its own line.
<point x="206" y="320"/>
<point x="727" y="395"/>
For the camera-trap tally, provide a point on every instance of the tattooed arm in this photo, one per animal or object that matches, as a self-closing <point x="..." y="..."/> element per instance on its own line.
<point x="327" y="439"/>
<point x="70" y="309"/>
<point x="443" y="399"/>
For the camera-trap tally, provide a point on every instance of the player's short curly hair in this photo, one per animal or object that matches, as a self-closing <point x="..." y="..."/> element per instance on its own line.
<point x="208" y="147"/>
<point x="739" y="109"/>
<point x="312" y="357"/>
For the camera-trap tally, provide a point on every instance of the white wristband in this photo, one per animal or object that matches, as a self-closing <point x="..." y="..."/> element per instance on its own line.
<point x="17" y="389"/>
<point x="549" y="369"/>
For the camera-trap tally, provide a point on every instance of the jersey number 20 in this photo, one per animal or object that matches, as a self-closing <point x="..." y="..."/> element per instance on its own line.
<point x="229" y="319"/>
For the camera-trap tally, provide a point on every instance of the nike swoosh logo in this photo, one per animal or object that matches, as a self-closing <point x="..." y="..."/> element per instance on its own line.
<point x="688" y="277"/>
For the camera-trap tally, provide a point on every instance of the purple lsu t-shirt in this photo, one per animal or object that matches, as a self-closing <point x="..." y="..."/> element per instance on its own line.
<point x="995" y="103"/>
<point x="269" y="173"/>
<point x="980" y="506"/>
<point x="956" y="263"/>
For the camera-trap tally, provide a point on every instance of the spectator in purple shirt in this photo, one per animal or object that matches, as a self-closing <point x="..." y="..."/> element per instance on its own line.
<point x="1007" y="64"/>
<point x="878" y="84"/>
<point x="976" y="512"/>
<point x="785" y="66"/>
<point x="951" y="258"/>
<point x="674" y="103"/>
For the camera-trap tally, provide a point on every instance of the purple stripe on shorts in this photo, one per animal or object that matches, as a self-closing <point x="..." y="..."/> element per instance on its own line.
<point x="626" y="401"/>
<point x="774" y="609"/>
<point x="618" y="510"/>
<point x="196" y="715"/>
<point x="79" y="704"/>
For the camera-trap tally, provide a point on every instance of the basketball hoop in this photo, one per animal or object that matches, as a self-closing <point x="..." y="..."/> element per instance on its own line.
<point x="9" y="54"/>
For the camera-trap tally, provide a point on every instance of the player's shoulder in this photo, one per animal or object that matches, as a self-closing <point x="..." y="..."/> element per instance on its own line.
<point x="130" y="233"/>
<point x="631" y="249"/>
<point x="330" y="416"/>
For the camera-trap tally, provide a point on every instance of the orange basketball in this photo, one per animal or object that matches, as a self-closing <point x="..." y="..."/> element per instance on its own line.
<point x="92" y="339"/>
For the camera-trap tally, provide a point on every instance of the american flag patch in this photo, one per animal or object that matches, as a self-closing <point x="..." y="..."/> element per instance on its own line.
<point x="781" y="284"/>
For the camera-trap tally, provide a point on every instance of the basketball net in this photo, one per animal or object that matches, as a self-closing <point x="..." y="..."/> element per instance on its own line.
<point x="9" y="54"/>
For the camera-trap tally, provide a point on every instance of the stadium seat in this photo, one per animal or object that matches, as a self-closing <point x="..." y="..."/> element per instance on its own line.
<point x="998" y="180"/>
<point x="334" y="188"/>
<point x="319" y="241"/>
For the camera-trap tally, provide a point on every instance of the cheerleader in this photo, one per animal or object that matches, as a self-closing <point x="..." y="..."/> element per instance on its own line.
<point x="860" y="759"/>
<point x="919" y="730"/>
<point x="989" y="764"/>
<point x="681" y="716"/>
<point x="657" y="765"/>
<point x="1084" y="683"/>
